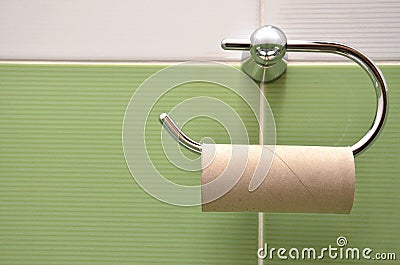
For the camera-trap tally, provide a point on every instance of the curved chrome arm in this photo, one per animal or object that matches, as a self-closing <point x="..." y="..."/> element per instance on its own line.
<point x="178" y="134"/>
<point x="325" y="47"/>
<point x="372" y="70"/>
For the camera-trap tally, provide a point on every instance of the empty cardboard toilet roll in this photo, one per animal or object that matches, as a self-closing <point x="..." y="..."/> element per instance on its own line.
<point x="303" y="179"/>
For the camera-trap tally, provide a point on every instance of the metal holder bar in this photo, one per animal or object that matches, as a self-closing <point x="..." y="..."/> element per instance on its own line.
<point x="268" y="46"/>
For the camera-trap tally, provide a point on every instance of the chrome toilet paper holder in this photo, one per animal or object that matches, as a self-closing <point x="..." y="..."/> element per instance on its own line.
<point x="264" y="60"/>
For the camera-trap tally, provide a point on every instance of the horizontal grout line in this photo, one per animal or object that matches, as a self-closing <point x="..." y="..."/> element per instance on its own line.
<point x="168" y="62"/>
<point x="111" y="62"/>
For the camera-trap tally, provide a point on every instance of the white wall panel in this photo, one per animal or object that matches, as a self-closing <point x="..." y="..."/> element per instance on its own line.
<point x="122" y="29"/>
<point x="370" y="25"/>
<point x="187" y="29"/>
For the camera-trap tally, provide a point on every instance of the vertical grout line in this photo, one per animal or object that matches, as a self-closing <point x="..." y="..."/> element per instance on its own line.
<point x="261" y="142"/>
<point x="261" y="139"/>
<point x="261" y="20"/>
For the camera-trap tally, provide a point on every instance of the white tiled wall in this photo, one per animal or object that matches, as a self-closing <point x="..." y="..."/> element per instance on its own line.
<point x="373" y="26"/>
<point x="122" y="29"/>
<point x="176" y="30"/>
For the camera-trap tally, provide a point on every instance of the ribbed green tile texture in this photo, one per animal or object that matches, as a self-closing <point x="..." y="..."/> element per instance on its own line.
<point x="67" y="196"/>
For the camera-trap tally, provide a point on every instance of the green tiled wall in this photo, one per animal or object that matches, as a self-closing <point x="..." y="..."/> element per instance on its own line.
<point x="67" y="197"/>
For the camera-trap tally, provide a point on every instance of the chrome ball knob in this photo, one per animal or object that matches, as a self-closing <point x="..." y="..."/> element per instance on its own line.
<point x="268" y="45"/>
